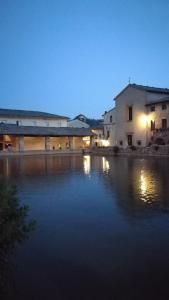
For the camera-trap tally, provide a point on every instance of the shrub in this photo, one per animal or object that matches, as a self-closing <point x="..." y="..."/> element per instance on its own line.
<point x="159" y="141"/>
<point x="156" y="147"/>
<point x="133" y="148"/>
<point x="116" y="149"/>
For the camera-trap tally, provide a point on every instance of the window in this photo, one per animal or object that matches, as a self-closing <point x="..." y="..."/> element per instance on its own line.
<point x="108" y="134"/>
<point x="17" y="123"/>
<point x="164" y="106"/>
<point x="139" y="143"/>
<point x="152" y="126"/>
<point x="152" y="108"/>
<point x="121" y="143"/>
<point x="130" y="113"/>
<point x="164" y="123"/>
<point x="111" y="119"/>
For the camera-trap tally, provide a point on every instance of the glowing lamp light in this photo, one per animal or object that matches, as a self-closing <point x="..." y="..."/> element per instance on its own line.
<point x="105" y="143"/>
<point x="144" y="119"/>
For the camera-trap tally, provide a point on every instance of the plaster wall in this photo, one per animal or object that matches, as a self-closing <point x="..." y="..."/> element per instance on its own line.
<point x="35" y="122"/>
<point x="59" y="143"/>
<point x="34" y="143"/>
<point x="109" y="126"/>
<point x="138" y="126"/>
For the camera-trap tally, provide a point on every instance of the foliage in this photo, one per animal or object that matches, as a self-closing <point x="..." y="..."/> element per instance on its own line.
<point x="14" y="227"/>
<point x="116" y="149"/>
<point x="159" y="141"/>
<point x="133" y="148"/>
<point x="156" y="147"/>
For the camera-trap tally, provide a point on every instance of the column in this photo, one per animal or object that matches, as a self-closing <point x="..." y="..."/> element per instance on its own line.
<point x="21" y="143"/>
<point x="72" y="143"/>
<point x="47" y="143"/>
<point x="91" y="141"/>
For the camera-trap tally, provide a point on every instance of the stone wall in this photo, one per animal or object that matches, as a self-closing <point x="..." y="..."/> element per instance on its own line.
<point x="154" y="150"/>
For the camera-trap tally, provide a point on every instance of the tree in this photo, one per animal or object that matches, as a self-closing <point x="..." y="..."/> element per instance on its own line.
<point x="14" y="227"/>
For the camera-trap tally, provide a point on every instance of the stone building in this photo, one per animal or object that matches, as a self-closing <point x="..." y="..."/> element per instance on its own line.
<point x="78" y="123"/>
<point x="109" y="126"/>
<point x="139" y="112"/>
<point x="22" y="130"/>
<point x="96" y="126"/>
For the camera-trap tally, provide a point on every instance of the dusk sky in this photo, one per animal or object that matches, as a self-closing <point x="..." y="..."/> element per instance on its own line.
<point x="71" y="57"/>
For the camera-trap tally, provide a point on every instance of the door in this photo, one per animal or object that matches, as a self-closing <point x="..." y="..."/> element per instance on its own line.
<point x="130" y="140"/>
<point x="1" y="146"/>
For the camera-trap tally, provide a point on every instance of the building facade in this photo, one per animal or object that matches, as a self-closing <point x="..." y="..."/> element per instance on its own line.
<point x="140" y="112"/>
<point x="109" y="127"/>
<point x="78" y="124"/>
<point x="96" y="126"/>
<point x="33" y="131"/>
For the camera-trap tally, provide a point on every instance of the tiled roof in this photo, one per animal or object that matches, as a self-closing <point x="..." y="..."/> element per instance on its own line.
<point x="160" y="101"/>
<point x="99" y="126"/>
<point x="146" y="88"/>
<point x="28" y="113"/>
<point x="150" y="88"/>
<point x="43" y="131"/>
<point x="90" y="122"/>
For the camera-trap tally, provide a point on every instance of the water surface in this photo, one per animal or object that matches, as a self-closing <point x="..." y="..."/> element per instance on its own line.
<point x="102" y="228"/>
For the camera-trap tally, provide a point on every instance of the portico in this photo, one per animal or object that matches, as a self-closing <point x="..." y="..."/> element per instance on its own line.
<point x="29" y="138"/>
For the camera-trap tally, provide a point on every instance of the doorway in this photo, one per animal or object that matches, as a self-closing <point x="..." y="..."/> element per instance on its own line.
<point x="129" y="140"/>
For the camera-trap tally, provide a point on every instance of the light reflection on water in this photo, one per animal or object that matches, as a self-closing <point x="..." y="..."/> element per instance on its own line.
<point x="87" y="164"/>
<point x="148" y="186"/>
<point x="106" y="165"/>
<point x="103" y="227"/>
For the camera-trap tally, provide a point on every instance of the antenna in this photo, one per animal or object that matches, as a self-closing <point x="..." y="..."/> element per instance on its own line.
<point x="129" y="80"/>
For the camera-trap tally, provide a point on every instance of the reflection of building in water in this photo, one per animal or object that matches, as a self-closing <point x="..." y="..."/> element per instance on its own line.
<point x="39" y="165"/>
<point x="106" y="165"/>
<point x="87" y="164"/>
<point x="138" y="184"/>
